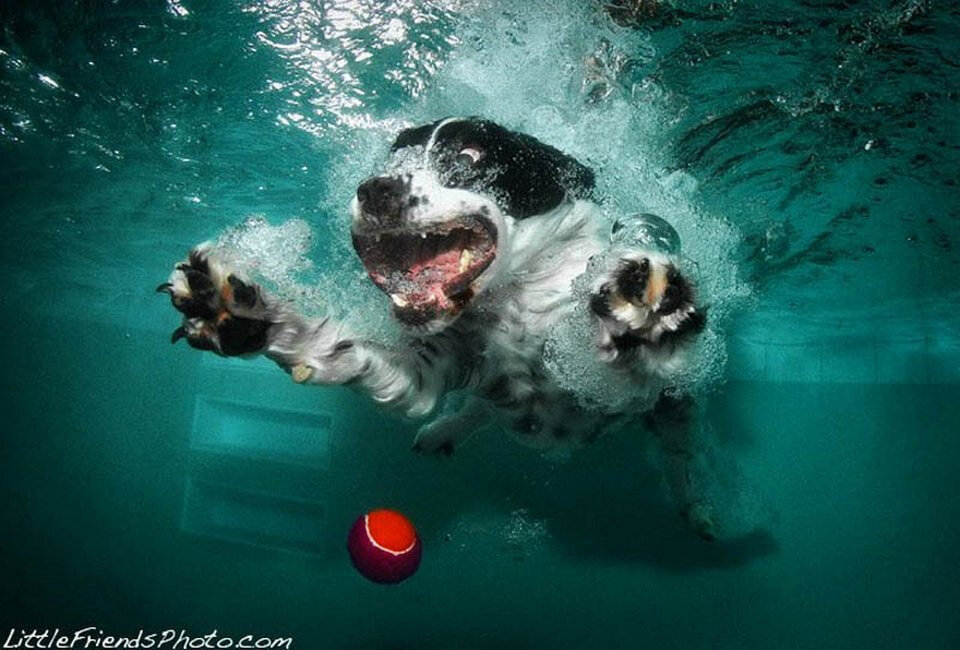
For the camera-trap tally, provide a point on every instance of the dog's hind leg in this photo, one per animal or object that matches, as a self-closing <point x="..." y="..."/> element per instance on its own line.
<point x="675" y="422"/>
<point x="230" y="316"/>
<point x="444" y="435"/>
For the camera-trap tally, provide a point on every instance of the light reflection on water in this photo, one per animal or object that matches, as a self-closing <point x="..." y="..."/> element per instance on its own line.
<point x="352" y="58"/>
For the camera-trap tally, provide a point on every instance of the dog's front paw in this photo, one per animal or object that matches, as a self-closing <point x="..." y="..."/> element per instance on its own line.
<point x="221" y="312"/>
<point x="644" y="300"/>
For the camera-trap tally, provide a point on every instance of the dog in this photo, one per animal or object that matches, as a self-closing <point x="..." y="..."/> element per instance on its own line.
<point x="479" y="237"/>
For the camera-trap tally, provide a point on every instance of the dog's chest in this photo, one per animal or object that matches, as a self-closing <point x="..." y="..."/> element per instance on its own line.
<point x="514" y="377"/>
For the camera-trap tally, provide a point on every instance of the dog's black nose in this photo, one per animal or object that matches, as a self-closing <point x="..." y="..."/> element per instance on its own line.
<point x="381" y="195"/>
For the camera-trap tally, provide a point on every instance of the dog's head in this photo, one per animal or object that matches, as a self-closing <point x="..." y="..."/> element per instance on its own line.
<point x="431" y="231"/>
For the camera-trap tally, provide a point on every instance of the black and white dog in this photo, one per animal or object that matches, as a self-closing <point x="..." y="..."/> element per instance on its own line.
<point x="478" y="235"/>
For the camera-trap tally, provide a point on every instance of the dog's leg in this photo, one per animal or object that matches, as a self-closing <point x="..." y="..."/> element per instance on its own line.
<point x="444" y="435"/>
<point x="675" y="422"/>
<point x="228" y="315"/>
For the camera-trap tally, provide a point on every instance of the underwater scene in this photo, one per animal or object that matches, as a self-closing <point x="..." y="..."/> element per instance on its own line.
<point x="788" y="171"/>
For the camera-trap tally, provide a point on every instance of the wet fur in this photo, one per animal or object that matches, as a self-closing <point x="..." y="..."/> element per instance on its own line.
<point x="494" y="349"/>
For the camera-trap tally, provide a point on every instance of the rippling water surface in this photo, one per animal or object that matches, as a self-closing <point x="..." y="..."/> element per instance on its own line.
<point x="807" y="152"/>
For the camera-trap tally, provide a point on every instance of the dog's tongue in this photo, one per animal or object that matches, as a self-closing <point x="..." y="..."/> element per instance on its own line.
<point x="437" y="268"/>
<point x="424" y="281"/>
<point x="426" y="273"/>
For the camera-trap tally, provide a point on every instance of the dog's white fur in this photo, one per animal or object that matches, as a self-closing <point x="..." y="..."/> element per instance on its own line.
<point x="494" y="349"/>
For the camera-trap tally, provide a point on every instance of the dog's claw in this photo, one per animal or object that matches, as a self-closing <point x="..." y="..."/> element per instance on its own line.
<point x="165" y="287"/>
<point x="178" y="334"/>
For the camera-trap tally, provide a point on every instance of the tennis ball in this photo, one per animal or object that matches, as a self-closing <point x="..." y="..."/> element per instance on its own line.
<point x="384" y="546"/>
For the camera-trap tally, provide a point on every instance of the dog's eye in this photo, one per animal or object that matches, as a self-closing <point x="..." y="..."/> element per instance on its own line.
<point x="470" y="155"/>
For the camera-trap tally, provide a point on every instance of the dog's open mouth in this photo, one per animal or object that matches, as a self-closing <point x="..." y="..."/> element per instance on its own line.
<point x="428" y="272"/>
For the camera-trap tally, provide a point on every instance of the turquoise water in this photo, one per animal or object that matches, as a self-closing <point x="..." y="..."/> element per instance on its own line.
<point x="808" y="153"/>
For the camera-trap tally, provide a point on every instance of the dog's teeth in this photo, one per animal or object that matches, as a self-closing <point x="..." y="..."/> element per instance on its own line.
<point x="398" y="300"/>
<point x="423" y="235"/>
<point x="465" y="258"/>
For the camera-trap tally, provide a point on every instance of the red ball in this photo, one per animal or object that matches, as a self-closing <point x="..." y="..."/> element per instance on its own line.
<point x="384" y="546"/>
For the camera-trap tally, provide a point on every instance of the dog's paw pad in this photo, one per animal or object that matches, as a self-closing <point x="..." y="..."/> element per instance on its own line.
<point x="628" y="287"/>
<point x="221" y="312"/>
<point x="644" y="300"/>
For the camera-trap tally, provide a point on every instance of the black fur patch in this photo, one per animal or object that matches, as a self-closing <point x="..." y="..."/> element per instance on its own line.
<point x="413" y="137"/>
<point x="526" y="176"/>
